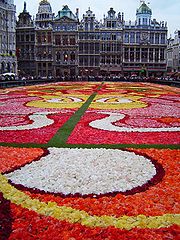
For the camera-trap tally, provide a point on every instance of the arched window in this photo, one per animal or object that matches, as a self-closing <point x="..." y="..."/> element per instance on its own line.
<point x="58" y="56"/>
<point x="39" y="56"/>
<point x="49" y="56"/>
<point x="86" y="26"/>
<point x="14" y="67"/>
<point x="8" y="67"/>
<point x="2" y="67"/>
<point x="72" y="56"/>
<point x="91" y="26"/>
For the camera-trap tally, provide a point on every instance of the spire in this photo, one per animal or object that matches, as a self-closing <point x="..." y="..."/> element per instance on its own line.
<point x="24" y="7"/>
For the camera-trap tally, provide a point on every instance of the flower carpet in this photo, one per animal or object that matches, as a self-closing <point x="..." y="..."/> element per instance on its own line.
<point x="90" y="161"/>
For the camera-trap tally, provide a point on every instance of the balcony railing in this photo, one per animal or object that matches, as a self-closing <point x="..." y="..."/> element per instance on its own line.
<point x="44" y="59"/>
<point x="71" y="62"/>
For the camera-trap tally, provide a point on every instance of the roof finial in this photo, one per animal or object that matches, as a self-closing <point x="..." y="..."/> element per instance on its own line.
<point x="24" y="6"/>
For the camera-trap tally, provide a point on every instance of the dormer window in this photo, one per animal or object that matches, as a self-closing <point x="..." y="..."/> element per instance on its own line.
<point x="113" y="24"/>
<point x="91" y="26"/>
<point x="109" y="24"/>
<point x="144" y="21"/>
<point x="86" y="26"/>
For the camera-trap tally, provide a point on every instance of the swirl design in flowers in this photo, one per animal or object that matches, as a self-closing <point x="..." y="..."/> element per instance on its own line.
<point x="38" y="121"/>
<point x="107" y="124"/>
<point x="100" y="162"/>
<point x="120" y="101"/>
<point x="58" y="102"/>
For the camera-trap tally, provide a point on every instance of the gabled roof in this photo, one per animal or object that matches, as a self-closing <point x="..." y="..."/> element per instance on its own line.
<point x="65" y="12"/>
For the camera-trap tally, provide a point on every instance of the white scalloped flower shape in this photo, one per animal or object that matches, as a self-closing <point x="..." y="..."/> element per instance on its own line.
<point x="85" y="171"/>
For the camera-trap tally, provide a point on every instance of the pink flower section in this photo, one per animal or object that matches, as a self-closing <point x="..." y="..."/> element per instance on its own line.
<point x="85" y="134"/>
<point x="16" y="105"/>
<point x="164" y="106"/>
<point x="15" y="120"/>
<point x="41" y="135"/>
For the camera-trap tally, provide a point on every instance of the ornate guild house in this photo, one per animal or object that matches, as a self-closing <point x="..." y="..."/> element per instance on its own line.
<point x="65" y="39"/>
<point x="111" y="43"/>
<point x="25" y="43"/>
<point x="66" y="46"/>
<point x="44" y="40"/>
<point x="89" y="45"/>
<point x="144" y="44"/>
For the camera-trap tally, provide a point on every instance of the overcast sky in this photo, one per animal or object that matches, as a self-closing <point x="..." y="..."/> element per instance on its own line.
<point x="162" y="10"/>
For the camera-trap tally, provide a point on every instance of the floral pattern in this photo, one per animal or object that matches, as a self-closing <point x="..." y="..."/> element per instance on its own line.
<point x="109" y="170"/>
<point x="91" y="186"/>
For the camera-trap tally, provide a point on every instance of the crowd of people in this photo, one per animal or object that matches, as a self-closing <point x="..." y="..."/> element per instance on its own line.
<point x="135" y="78"/>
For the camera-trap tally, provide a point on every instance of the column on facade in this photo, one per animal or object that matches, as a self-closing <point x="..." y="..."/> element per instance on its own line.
<point x="140" y="54"/>
<point x="159" y="58"/>
<point x="83" y="50"/>
<point x="153" y="55"/>
<point x="132" y="50"/>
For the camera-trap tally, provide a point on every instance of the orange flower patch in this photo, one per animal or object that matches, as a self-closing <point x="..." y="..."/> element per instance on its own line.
<point x="16" y="157"/>
<point x="169" y="120"/>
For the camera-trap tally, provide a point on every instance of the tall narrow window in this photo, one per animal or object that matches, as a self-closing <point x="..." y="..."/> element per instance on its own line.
<point x="132" y="37"/>
<point x="126" y="37"/>
<point x="138" y="54"/>
<point x="91" y="26"/>
<point x="132" y="54"/>
<point x="151" y="54"/>
<point x="86" y="26"/>
<point x="157" y="38"/>
<point x="138" y="34"/>
<point x="152" y="38"/>
<point x="126" y="54"/>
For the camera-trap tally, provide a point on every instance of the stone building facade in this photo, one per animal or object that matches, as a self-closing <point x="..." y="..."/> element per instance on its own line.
<point x="173" y="53"/>
<point x="44" y="40"/>
<point x="144" y="44"/>
<point x="111" y="43"/>
<point x="8" y="61"/>
<point x="25" y="43"/>
<point x="65" y="43"/>
<point x="68" y="46"/>
<point x="89" y="45"/>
